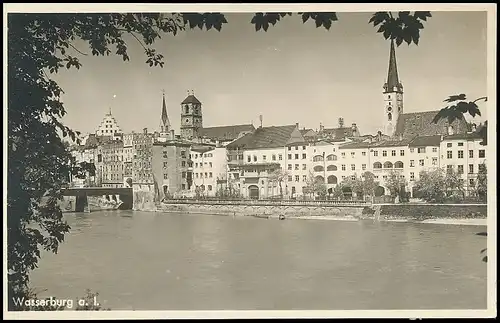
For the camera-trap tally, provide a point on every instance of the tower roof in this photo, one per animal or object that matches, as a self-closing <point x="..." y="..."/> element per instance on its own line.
<point x="164" y="115"/>
<point x="393" y="83"/>
<point x="191" y="99"/>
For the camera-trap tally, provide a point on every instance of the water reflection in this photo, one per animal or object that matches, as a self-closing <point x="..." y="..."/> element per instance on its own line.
<point x="151" y="261"/>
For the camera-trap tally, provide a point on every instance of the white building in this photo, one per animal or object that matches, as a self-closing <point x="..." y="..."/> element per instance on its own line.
<point x="209" y="169"/>
<point x="108" y="126"/>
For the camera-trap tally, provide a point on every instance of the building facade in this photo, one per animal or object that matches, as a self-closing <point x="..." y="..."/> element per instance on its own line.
<point x="112" y="164"/>
<point x="108" y="126"/>
<point x="191" y="117"/>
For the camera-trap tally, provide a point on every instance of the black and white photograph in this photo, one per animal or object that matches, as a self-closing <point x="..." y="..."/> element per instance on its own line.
<point x="249" y="160"/>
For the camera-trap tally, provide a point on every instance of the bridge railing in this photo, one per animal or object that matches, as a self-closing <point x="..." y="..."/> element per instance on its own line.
<point x="268" y="202"/>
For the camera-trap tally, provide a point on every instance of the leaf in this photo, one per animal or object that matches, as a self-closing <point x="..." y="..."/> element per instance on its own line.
<point x="455" y="98"/>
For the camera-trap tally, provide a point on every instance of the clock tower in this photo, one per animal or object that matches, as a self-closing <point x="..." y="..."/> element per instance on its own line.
<point x="191" y="116"/>
<point x="393" y="95"/>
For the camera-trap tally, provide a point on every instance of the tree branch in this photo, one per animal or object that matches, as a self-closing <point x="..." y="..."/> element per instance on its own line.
<point x="133" y="35"/>
<point x="481" y="98"/>
<point x="77" y="49"/>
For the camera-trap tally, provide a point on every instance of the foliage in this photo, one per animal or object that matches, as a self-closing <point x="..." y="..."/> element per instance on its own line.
<point x="454" y="185"/>
<point x="395" y="183"/>
<point x="39" y="162"/>
<point x="315" y="186"/>
<point x="482" y="182"/>
<point x="431" y="186"/>
<point x="458" y="107"/>
<point x="278" y="177"/>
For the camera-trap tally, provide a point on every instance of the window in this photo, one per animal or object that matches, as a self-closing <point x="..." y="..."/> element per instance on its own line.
<point x="434" y="149"/>
<point x="165" y="176"/>
<point x="210" y="164"/>
<point x="401" y="153"/>
<point x="421" y="150"/>
<point x="303" y="156"/>
<point x="183" y="154"/>
<point x="304" y="178"/>
<point x="412" y="150"/>
<point x="460" y="169"/>
<point x="343" y="154"/>
<point x="296" y="147"/>
<point x="384" y="153"/>
<point x="471" y="168"/>
<point x="290" y="178"/>
<point x="206" y="175"/>
<point x="296" y="166"/>
<point x="412" y="176"/>
<point x="353" y="167"/>
<point x="249" y="158"/>
<point x="343" y="177"/>
<point x="482" y="153"/>
<point x="434" y="161"/>
<point x="297" y="178"/>
<point x="448" y="145"/>
<point x="165" y="154"/>
<point x="304" y="166"/>
<point x="449" y="168"/>
<point x="210" y="174"/>
<point x="471" y="153"/>
<point x="343" y="167"/>
<point x="421" y="162"/>
<point x="353" y="177"/>
<point x="460" y="154"/>
<point x="289" y="166"/>
<point x="375" y="153"/>
<point x="183" y="163"/>
<point x="471" y="182"/>
<point x="183" y="186"/>
<point x="296" y="156"/>
<point x="196" y="174"/>
<point x="393" y="153"/>
<point x="363" y="153"/>
<point x="209" y="187"/>
<point x="183" y="174"/>
<point x="289" y="156"/>
<point x="460" y="144"/>
<point x="264" y="157"/>
<point x="165" y="164"/>
<point x="254" y="158"/>
<point x="280" y="157"/>
<point x="449" y="154"/>
<point x="273" y="157"/>
<point x="289" y="148"/>
<point x="363" y="166"/>
<point x="412" y="163"/>
<point x="353" y="154"/>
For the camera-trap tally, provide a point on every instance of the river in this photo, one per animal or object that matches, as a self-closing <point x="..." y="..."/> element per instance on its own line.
<point x="154" y="261"/>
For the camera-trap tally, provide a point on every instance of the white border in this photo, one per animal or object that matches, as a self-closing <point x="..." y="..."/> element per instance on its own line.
<point x="370" y="7"/>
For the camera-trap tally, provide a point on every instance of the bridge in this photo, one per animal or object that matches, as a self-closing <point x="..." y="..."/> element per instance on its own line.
<point x="122" y="196"/>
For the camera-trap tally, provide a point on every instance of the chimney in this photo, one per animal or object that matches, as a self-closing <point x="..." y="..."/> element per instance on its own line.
<point x="474" y="127"/>
<point x="341" y="122"/>
<point x="260" y="118"/>
<point x="297" y="125"/>
<point x="172" y="134"/>
<point x="321" y="127"/>
<point x="145" y="130"/>
<point x="400" y="137"/>
<point x="450" y="130"/>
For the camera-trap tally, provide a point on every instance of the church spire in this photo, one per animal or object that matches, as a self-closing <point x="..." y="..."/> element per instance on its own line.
<point x="165" y="126"/>
<point x="393" y="84"/>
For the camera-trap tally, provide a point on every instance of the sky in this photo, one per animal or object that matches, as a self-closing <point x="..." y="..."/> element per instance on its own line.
<point x="293" y="73"/>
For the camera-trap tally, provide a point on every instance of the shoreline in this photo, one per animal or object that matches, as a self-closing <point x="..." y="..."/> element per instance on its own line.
<point x="449" y="221"/>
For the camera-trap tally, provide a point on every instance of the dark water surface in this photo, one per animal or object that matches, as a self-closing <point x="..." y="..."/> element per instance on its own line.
<point x="153" y="261"/>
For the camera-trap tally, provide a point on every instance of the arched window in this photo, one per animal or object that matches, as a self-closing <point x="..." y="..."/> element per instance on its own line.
<point x="187" y="108"/>
<point x="318" y="158"/>
<point x="398" y="164"/>
<point x="332" y="179"/>
<point x="389" y="116"/>
<point x="319" y="179"/>
<point x="318" y="168"/>
<point x="331" y="168"/>
<point x="388" y="165"/>
<point x="331" y="157"/>
<point x="377" y="165"/>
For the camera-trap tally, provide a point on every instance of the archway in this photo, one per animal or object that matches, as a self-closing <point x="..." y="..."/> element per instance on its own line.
<point x="398" y="164"/>
<point x="332" y="179"/>
<point x="379" y="191"/>
<point x="331" y="157"/>
<point x="319" y="179"/>
<point x="331" y="168"/>
<point x="318" y="168"/>
<point x="388" y="164"/>
<point x="377" y="165"/>
<point x="253" y="192"/>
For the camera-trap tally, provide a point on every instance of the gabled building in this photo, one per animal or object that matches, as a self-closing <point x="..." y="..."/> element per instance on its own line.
<point x="108" y="126"/>
<point x="410" y="125"/>
<point x="253" y="158"/>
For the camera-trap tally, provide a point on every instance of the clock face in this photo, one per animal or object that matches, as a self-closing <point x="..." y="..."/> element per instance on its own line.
<point x="389" y="109"/>
<point x="187" y="120"/>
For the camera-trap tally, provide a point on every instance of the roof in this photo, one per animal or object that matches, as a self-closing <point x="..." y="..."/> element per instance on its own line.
<point x="225" y="132"/>
<point x="307" y="132"/>
<point x="463" y="136"/>
<point x="414" y="124"/>
<point x="191" y="99"/>
<point x="338" y="133"/>
<point x="393" y="84"/>
<point x="424" y="141"/>
<point x="173" y="142"/>
<point x="201" y="149"/>
<point x="164" y="115"/>
<point x="268" y="137"/>
<point x="356" y="145"/>
<point x="391" y="143"/>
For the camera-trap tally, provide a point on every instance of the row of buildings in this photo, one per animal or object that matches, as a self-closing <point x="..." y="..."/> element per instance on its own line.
<point x="264" y="162"/>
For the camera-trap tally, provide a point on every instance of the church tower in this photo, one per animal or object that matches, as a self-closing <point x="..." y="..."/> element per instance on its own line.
<point x="165" y="126"/>
<point x="393" y="95"/>
<point x="191" y="117"/>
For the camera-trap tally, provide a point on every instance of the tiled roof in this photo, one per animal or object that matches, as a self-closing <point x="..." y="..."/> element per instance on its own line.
<point x="191" y="99"/>
<point x="391" y="143"/>
<point x="307" y="132"/>
<point x="338" y="133"/>
<point x="201" y="149"/>
<point x="225" y="132"/>
<point x="356" y="145"/>
<point x="267" y="137"/>
<point x="420" y="124"/>
<point x="463" y="136"/>
<point x="425" y="141"/>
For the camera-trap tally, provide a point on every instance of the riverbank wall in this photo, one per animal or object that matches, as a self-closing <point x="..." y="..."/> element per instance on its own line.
<point x="424" y="212"/>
